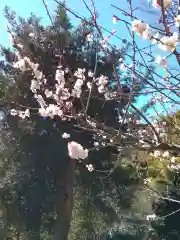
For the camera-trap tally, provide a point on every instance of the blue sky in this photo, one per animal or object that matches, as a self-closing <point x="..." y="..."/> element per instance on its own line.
<point x="148" y="14"/>
<point x="24" y="8"/>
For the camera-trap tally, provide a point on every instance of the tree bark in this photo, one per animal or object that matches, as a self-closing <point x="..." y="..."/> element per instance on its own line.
<point x="66" y="203"/>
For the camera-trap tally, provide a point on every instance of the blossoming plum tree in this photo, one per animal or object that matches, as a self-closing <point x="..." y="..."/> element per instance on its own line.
<point x="81" y="82"/>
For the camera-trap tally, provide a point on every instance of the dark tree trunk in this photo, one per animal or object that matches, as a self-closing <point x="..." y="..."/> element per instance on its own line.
<point x="66" y="203"/>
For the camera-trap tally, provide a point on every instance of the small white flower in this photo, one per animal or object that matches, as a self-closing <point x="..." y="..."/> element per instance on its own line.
<point x="76" y="151"/>
<point x="177" y="21"/>
<point x="168" y="43"/>
<point x="104" y="44"/>
<point x="151" y="217"/>
<point x="89" y="85"/>
<point x="22" y="115"/>
<point x="48" y="93"/>
<point x="78" y="84"/>
<point x="166" y="154"/>
<point x="102" y="80"/>
<point x="21" y="64"/>
<point x="173" y="160"/>
<point x="90" y="167"/>
<point x="114" y="19"/>
<point x="96" y="144"/>
<point x="34" y="85"/>
<point x="31" y="35"/>
<point x="27" y="113"/>
<point x="139" y="27"/>
<point x="89" y="37"/>
<point x="161" y="61"/>
<point x="59" y="77"/>
<point x="43" y="112"/>
<point x="146" y="35"/>
<point x="90" y="74"/>
<point x="65" y="135"/>
<point x="145" y="181"/>
<point x="157" y="153"/>
<point x="54" y="110"/>
<point x="13" y="112"/>
<point x="101" y="89"/>
<point x="19" y="46"/>
<point x="40" y="100"/>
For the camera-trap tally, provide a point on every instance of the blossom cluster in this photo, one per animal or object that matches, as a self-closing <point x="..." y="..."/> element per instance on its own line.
<point x="21" y="114"/>
<point x="62" y="96"/>
<point x="166" y="43"/>
<point x="76" y="151"/>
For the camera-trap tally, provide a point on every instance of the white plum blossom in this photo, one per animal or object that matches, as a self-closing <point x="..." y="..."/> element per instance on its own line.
<point x="80" y="73"/>
<point x="173" y="160"/>
<point x="31" y="35"/>
<point x="21" y="64"/>
<point x="166" y="154"/>
<point x="104" y="44"/>
<point x="78" y="84"/>
<point x="114" y="19"/>
<point x="139" y="27"/>
<point x="65" y="135"/>
<point x="51" y="111"/>
<point x="24" y="114"/>
<point x="146" y="35"/>
<point x="40" y="100"/>
<point x="89" y="37"/>
<point x="21" y="114"/>
<point x="177" y="21"/>
<point x="13" y="112"/>
<point x="77" y="88"/>
<point x="34" y="85"/>
<point x="34" y="66"/>
<point x="89" y="85"/>
<point x="161" y="61"/>
<point x="151" y="217"/>
<point x="48" y="93"/>
<point x="65" y="95"/>
<point x="19" y="45"/>
<point x="42" y="112"/>
<point x="157" y="153"/>
<point x="169" y="43"/>
<point x="96" y="144"/>
<point x="174" y="167"/>
<point x="25" y="64"/>
<point x="90" y="167"/>
<point x="90" y="74"/>
<point x="59" y="77"/>
<point x="38" y="74"/>
<point x="101" y="82"/>
<point x="166" y="3"/>
<point x="101" y="89"/>
<point x="76" y="151"/>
